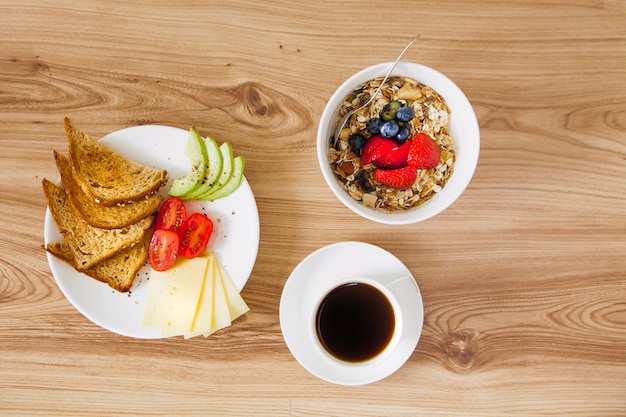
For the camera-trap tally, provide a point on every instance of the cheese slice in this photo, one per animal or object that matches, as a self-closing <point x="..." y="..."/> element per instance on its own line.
<point x="173" y="295"/>
<point x="236" y="304"/>
<point x="204" y="313"/>
<point x="195" y="297"/>
<point x="221" y="313"/>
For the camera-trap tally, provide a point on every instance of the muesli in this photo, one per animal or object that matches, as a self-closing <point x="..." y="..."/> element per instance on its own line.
<point x="430" y="116"/>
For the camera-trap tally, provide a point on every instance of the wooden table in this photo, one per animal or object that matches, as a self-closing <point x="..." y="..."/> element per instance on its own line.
<point x="523" y="278"/>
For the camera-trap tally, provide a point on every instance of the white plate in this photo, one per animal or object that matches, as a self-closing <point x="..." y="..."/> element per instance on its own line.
<point x="319" y="272"/>
<point x="235" y="239"/>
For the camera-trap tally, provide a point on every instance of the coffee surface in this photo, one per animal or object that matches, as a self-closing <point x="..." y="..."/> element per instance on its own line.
<point x="355" y="322"/>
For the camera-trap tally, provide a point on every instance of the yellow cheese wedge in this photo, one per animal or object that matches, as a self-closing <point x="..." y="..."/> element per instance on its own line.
<point x="236" y="304"/>
<point x="173" y="295"/>
<point x="204" y="313"/>
<point x="221" y="313"/>
<point x="195" y="297"/>
<point x="213" y="312"/>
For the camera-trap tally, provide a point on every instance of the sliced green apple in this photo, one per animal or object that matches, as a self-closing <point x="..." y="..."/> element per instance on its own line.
<point x="196" y="150"/>
<point x="227" y="170"/>
<point x="213" y="171"/>
<point x="232" y="184"/>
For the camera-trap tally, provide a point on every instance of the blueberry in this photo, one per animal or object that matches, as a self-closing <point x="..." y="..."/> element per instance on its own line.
<point x="373" y="126"/>
<point x="389" y="129"/>
<point x="356" y="141"/>
<point x="390" y="110"/>
<point x="403" y="134"/>
<point x="365" y="182"/>
<point x="405" y="114"/>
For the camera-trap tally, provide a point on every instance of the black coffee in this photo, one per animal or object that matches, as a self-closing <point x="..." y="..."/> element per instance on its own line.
<point x="355" y="322"/>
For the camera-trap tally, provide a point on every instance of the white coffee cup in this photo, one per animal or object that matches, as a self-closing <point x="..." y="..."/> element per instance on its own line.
<point x="357" y="321"/>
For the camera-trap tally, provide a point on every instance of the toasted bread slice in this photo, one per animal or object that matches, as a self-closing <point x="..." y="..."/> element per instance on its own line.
<point x="89" y="245"/>
<point x="104" y="217"/>
<point x="107" y="177"/>
<point x="118" y="272"/>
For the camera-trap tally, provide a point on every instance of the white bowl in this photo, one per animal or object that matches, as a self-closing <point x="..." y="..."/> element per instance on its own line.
<point x="463" y="129"/>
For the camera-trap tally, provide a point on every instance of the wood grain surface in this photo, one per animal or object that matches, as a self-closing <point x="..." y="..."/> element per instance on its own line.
<point x="523" y="278"/>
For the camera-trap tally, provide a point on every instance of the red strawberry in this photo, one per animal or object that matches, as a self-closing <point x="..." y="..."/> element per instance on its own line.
<point x="397" y="158"/>
<point x="424" y="152"/>
<point x="400" y="178"/>
<point x="376" y="147"/>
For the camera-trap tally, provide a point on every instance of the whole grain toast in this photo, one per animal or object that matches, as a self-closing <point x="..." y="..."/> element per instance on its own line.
<point x="89" y="245"/>
<point x="118" y="272"/>
<point x="107" y="177"/>
<point x="98" y="215"/>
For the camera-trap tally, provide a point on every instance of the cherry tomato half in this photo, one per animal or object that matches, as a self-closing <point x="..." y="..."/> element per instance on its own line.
<point x="163" y="250"/>
<point x="171" y="214"/>
<point x="194" y="235"/>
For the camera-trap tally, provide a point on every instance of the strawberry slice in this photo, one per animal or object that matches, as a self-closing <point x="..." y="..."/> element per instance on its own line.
<point x="400" y="178"/>
<point x="397" y="158"/>
<point x="376" y="147"/>
<point x="423" y="152"/>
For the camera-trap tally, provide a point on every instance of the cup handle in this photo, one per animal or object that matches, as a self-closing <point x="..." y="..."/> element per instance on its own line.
<point x="399" y="281"/>
<point x="402" y="288"/>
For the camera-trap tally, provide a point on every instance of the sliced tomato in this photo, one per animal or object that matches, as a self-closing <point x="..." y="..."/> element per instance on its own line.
<point x="171" y="214"/>
<point x="194" y="235"/>
<point x="164" y="247"/>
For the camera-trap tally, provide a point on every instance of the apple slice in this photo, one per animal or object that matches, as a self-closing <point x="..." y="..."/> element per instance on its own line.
<point x="227" y="170"/>
<point x="213" y="171"/>
<point x="197" y="152"/>
<point x="232" y="184"/>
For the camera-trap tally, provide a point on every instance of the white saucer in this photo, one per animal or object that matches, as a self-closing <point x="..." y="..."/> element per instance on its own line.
<point x="320" y="271"/>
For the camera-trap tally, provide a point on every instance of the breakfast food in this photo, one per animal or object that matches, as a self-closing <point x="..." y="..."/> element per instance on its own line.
<point x="107" y="177"/>
<point x="214" y="174"/>
<point x="176" y="234"/>
<point x="195" y="297"/>
<point x="396" y="153"/>
<point x="111" y="242"/>
<point x="118" y="271"/>
<point x="99" y="215"/>
<point x="88" y="244"/>
<point x="106" y="241"/>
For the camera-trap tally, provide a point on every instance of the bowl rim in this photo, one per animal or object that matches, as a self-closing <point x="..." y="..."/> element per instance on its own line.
<point x="462" y="118"/>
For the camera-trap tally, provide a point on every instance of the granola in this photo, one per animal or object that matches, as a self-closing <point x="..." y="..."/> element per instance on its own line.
<point x="431" y="117"/>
